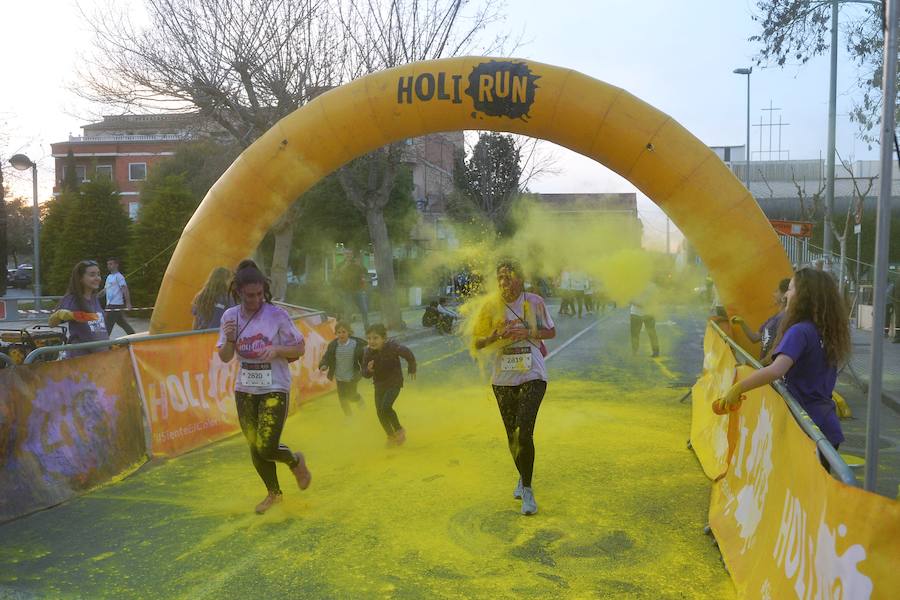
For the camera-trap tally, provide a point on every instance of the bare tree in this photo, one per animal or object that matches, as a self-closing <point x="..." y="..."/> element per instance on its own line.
<point x="536" y="160"/>
<point x="765" y="180"/>
<point x="794" y="31"/>
<point x="240" y="64"/>
<point x="809" y="204"/>
<point x="381" y="34"/>
<point x="859" y="195"/>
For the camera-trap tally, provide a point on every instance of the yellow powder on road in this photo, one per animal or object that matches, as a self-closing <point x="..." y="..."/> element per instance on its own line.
<point x="622" y="504"/>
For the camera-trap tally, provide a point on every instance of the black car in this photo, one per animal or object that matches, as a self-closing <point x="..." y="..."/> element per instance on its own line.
<point x="23" y="277"/>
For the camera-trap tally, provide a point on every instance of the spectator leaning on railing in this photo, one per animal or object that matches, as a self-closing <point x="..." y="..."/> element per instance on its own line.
<point x="768" y="331"/>
<point x="81" y="309"/>
<point x="813" y="341"/>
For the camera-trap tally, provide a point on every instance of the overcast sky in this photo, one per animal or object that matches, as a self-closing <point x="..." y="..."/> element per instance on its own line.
<point x="677" y="56"/>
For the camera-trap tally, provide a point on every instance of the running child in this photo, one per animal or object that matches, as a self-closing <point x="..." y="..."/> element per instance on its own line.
<point x="343" y="360"/>
<point x="381" y="362"/>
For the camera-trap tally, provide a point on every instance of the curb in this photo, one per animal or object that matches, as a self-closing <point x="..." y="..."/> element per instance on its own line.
<point x="892" y="400"/>
<point x="889" y="399"/>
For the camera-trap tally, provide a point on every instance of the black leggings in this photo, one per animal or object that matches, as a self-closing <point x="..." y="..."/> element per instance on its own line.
<point x="117" y="316"/>
<point x="262" y="418"/>
<point x="384" y="404"/>
<point x="638" y="321"/>
<point x="519" y="405"/>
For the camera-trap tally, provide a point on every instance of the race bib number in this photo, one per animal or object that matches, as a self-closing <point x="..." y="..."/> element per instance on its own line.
<point x="256" y="375"/>
<point x="516" y="359"/>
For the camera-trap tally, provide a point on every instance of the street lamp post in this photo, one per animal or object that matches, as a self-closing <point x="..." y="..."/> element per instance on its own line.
<point x="882" y="235"/>
<point x="22" y="163"/>
<point x="832" y="125"/>
<point x="747" y="149"/>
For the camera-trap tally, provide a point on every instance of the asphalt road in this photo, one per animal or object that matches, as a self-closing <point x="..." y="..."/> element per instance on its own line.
<point x="622" y="501"/>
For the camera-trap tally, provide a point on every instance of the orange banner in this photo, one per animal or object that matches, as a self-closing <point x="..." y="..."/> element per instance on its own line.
<point x="785" y="527"/>
<point x="65" y="428"/>
<point x="188" y="392"/>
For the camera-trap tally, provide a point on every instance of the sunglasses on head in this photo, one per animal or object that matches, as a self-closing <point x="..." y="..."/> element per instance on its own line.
<point x="89" y="263"/>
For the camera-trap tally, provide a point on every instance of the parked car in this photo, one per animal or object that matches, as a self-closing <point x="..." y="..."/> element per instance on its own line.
<point x="373" y="278"/>
<point x="23" y="277"/>
<point x="10" y="277"/>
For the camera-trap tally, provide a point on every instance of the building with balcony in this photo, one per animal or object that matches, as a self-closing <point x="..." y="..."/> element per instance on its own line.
<point x="125" y="148"/>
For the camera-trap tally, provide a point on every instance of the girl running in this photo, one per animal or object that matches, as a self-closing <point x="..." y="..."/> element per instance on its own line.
<point x="264" y="338"/>
<point x="813" y="341"/>
<point x="382" y="363"/>
<point x="514" y="326"/>
<point x="343" y="360"/>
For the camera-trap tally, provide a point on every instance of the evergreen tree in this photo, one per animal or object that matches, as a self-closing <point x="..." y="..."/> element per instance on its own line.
<point x="54" y="278"/>
<point x="166" y="206"/>
<point x="487" y="184"/>
<point x="95" y="226"/>
<point x="70" y="173"/>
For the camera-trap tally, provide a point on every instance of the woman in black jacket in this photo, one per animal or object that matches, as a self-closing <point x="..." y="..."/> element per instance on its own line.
<point x="343" y="360"/>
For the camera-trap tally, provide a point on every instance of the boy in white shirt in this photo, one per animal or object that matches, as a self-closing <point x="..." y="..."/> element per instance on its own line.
<point x="117" y="298"/>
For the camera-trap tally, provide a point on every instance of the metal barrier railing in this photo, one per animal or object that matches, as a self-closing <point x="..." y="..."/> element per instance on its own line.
<point x="839" y="468"/>
<point x="135" y="338"/>
<point x="9" y="362"/>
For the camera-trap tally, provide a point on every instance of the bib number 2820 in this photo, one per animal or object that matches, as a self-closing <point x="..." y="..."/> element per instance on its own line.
<point x="256" y="375"/>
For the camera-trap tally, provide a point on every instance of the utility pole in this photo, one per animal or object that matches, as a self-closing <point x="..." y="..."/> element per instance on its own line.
<point x="882" y="234"/>
<point x="829" y="157"/>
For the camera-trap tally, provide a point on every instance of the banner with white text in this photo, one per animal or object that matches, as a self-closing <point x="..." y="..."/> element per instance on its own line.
<point x="786" y="528"/>
<point x="188" y="392"/>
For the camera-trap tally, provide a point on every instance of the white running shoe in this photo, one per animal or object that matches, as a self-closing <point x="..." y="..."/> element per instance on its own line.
<point x="529" y="506"/>
<point x="517" y="493"/>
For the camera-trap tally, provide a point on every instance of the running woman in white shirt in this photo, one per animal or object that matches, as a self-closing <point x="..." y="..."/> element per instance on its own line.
<point x="513" y="326"/>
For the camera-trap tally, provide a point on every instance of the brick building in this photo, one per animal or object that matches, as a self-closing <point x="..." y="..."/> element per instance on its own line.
<point x="125" y="149"/>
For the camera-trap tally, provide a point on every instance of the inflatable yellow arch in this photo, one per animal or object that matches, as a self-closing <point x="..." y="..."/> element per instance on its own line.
<point x="672" y="167"/>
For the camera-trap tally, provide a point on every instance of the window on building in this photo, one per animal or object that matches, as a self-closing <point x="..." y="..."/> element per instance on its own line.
<point x="105" y="171"/>
<point x="137" y="171"/>
<point x="80" y="172"/>
<point x="133" y="210"/>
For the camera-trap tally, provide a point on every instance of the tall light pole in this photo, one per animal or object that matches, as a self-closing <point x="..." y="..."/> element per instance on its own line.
<point x="832" y="124"/>
<point x="747" y="149"/>
<point x="22" y="163"/>
<point x="882" y="234"/>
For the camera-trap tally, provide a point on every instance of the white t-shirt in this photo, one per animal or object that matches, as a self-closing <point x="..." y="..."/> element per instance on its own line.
<point x="522" y="361"/>
<point x="114" y="284"/>
<point x="578" y="281"/>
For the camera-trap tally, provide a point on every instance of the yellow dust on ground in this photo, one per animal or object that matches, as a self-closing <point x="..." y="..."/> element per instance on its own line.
<point x="622" y="506"/>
